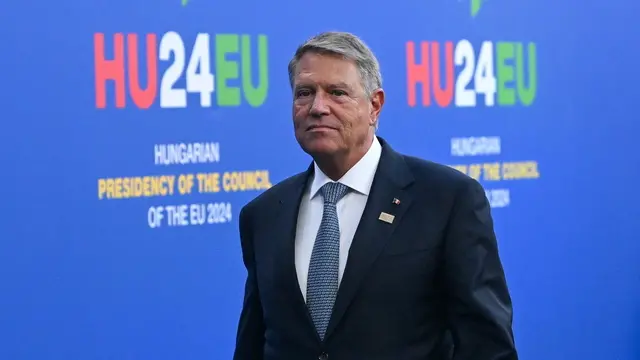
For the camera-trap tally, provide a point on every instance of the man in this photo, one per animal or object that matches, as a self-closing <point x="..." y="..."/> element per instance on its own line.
<point x="368" y="254"/>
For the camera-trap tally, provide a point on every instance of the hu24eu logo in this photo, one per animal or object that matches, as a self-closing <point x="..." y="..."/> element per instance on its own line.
<point x="454" y="74"/>
<point x="167" y="71"/>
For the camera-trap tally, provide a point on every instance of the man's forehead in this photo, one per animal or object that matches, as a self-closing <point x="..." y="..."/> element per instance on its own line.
<point x="324" y="56"/>
<point x="325" y="63"/>
<point x="327" y="71"/>
<point x="310" y="80"/>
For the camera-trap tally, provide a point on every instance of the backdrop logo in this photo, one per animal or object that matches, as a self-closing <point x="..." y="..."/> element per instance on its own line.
<point x="455" y="74"/>
<point x="239" y="63"/>
<point x="475" y="6"/>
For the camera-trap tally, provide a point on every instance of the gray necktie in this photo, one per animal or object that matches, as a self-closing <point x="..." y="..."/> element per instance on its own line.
<point x="322" y="283"/>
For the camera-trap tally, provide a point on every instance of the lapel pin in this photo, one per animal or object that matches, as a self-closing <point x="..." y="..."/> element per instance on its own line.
<point x="396" y="201"/>
<point x="388" y="218"/>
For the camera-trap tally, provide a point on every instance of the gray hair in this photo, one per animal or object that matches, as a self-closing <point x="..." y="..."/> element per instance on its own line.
<point x="350" y="47"/>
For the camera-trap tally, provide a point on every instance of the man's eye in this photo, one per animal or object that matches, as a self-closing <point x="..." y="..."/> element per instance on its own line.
<point x="300" y="93"/>
<point x="338" y="93"/>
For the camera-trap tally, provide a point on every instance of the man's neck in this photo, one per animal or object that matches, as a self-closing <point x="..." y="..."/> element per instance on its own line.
<point x="336" y="166"/>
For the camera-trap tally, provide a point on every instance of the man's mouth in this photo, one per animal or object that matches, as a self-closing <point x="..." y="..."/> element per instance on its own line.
<point x="319" y="127"/>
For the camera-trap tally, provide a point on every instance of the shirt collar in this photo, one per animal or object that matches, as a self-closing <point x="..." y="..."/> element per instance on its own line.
<point x="358" y="178"/>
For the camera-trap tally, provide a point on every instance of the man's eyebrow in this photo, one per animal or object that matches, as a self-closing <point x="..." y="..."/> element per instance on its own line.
<point x="302" y="86"/>
<point x="337" y="85"/>
<point x="340" y="85"/>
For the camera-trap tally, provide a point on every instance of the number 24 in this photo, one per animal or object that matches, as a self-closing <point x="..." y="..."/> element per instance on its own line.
<point x="483" y="74"/>
<point x="201" y="82"/>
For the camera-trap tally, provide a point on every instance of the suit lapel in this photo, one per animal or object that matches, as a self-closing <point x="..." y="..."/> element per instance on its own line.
<point x="390" y="182"/>
<point x="285" y="223"/>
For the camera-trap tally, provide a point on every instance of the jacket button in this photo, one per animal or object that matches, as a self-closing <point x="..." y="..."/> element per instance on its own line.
<point x="323" y="356"/>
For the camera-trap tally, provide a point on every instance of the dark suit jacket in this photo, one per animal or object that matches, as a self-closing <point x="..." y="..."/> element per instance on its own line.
<point x="428" y="286"/>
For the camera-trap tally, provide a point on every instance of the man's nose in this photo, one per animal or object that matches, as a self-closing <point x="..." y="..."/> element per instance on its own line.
<point x="319" y="106"/>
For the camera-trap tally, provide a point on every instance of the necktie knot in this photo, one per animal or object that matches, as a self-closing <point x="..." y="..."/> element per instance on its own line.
<point x="332" y="192"/>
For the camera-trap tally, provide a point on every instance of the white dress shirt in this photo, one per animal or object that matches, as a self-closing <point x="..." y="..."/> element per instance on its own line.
<point x="350" y="209"/>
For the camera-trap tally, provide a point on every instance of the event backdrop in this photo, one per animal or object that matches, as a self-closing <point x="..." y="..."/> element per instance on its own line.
<point x="134" y="132"/>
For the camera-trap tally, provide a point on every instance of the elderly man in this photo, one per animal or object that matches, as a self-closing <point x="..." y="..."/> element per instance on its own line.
<point x="368" y="254"/>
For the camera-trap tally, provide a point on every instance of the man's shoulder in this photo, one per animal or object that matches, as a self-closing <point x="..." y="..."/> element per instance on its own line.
<point x="277" y="192"/>
<point x="436" y="175"/>
<point x="436" y="183"/>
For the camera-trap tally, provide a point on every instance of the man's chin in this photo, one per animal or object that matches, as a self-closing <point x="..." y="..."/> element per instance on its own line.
<point x="319" y="146"/>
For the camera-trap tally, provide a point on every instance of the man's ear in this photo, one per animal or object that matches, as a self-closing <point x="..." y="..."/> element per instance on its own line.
<point x="377" y="101"/>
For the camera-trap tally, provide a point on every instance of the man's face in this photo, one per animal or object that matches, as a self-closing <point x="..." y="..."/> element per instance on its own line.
<point x="331" y="112"/>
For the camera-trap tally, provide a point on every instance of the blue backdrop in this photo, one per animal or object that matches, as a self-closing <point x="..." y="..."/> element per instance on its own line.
<point x="134" y="132"/>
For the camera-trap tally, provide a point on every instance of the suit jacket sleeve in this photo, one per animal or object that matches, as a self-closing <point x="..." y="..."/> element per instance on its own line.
<point x="250" y="334"/>
<point x="479" y="304"/>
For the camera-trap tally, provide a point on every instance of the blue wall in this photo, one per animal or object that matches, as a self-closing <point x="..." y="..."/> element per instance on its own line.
<point x="547" y="122"/>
